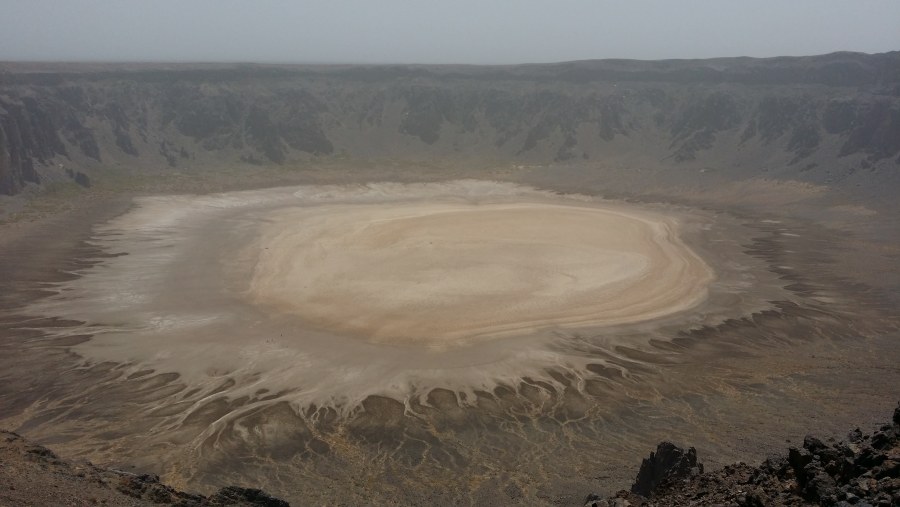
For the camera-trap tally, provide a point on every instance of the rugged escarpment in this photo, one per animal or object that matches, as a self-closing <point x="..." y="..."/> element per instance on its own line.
<point x="828" y="119"/>
<point x="863" y="470"/>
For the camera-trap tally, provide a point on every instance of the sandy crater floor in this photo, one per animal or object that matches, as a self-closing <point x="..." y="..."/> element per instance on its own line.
<point x="474" y="341"/>
<point x="336" y="293"/>
<point x="441" y="273"/>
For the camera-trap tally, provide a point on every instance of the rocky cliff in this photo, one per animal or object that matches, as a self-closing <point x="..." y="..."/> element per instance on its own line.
<point x="863" y="470"/>
<point x="827" y="119"/>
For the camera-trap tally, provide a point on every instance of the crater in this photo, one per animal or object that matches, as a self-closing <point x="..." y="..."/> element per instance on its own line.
<point x="448" y="273"/>
<point x="435" y="329"/>
<point x="332" y="294"/>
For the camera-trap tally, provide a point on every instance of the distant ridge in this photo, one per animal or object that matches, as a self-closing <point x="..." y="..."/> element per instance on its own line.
<point x="831" y="119"/>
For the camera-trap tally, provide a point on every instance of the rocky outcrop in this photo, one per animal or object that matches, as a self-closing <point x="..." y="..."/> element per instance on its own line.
<point x="667" y="465"/>
<point x="823" y="119"/>
<point x="31" y="474"/>
<point x="862" y="470"/>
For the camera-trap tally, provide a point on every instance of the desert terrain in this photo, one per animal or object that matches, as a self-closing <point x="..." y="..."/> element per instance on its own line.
<point x="445" y="285"/>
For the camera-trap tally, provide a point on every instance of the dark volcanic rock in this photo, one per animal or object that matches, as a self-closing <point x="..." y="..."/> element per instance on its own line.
<point x="234" y="495"/>
<point x="864" y="470"/>
<point x="665" y="466"/>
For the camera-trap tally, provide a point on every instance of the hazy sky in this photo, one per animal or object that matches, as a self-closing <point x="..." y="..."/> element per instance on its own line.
<point x="445" y="31"/>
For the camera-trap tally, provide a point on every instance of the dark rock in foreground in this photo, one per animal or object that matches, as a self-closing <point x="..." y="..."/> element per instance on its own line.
<point x="33" y="475"/>
<point x="233" y="495"/>
<point x="665" y="466"/>
<point x="864" y="470"/>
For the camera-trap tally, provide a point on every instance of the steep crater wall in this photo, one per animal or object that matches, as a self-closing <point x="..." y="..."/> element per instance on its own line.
<point x="832" y="119"/>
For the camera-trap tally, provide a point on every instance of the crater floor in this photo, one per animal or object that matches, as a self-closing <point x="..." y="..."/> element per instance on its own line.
<point x="480" y="341"/>
<point x="443" y="273"/>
